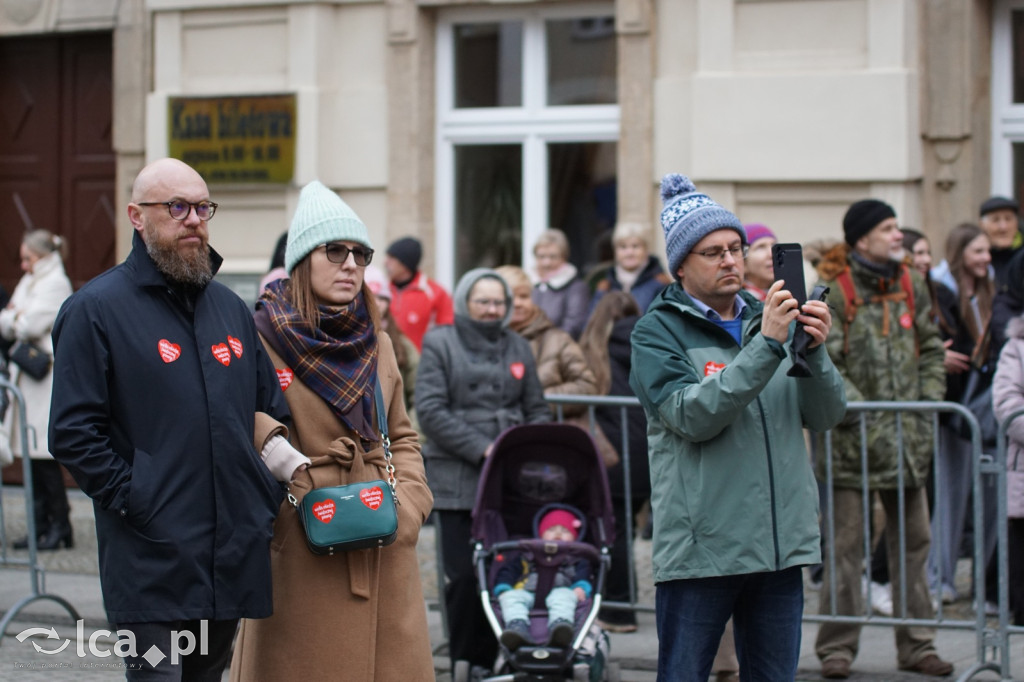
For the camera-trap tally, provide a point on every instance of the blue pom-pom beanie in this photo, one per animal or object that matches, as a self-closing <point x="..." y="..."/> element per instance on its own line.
<point x="321" y="217"/>
<point x="688" y="216"/>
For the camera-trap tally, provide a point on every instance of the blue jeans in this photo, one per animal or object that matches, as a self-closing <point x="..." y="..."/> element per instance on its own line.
<point x="767" y="609"/>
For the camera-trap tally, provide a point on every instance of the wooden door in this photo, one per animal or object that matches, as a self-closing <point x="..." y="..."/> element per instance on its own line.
<point x="57" y="166"/>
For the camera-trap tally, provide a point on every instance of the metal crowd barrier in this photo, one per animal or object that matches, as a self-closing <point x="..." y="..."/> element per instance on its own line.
<point x="36" y="573"/>
<point x="992" y="651"/>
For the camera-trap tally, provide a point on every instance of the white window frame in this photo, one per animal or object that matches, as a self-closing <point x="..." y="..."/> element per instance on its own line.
<point x="533" y="125"/>
<point x="1007" y="117"/>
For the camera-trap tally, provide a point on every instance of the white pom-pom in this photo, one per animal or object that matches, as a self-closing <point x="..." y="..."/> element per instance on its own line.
<point x="674" y="184"/>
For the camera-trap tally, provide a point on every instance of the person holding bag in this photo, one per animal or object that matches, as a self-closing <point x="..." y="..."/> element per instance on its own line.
<point x="965" y="309"/>
<point x="347" y="612"/>
<point x="27" y="321"/>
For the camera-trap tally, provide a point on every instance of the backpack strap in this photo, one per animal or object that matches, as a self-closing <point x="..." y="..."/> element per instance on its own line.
<point x="908" y="286"/>
<point x="851" y="302"/>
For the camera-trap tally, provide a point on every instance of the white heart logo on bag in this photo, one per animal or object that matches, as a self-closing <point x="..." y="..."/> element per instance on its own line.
<point x="284" y="377"/>
<point x="236" y="346"/>
<point x="518" y="369"/>
<point x="324" y="510"/>
<point x="221" y="352"/>
<point x="372" y="497"/>
<point x="169" y="352"/>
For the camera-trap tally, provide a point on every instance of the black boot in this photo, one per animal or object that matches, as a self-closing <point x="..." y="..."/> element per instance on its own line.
<point x="59" y="533"/>
<point x="42" y="522"/>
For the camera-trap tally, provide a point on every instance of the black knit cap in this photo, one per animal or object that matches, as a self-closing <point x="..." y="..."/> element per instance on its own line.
<point x="998" y="204"/>
<point x="863" y="216"/>
<point x="407" y="251"/>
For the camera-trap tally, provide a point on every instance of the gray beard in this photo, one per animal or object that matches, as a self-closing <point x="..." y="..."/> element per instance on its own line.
<point x="193" y="270"/>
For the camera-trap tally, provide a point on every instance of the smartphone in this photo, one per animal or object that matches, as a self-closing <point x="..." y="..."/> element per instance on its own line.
<point x="788" y="263"/>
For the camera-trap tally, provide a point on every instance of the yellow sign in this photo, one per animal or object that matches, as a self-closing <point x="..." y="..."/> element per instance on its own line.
<point x="234" y="139"/>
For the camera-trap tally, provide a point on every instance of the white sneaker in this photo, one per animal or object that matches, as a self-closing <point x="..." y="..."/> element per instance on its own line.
<point x="881" y="597"/>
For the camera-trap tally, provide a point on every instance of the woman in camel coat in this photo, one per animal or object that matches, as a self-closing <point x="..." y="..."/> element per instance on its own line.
<point x="357" y="615"/>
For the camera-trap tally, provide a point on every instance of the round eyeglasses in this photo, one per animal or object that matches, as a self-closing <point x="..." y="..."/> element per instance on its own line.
<point x="179" y="208"/>
<point x="338" y="253"/>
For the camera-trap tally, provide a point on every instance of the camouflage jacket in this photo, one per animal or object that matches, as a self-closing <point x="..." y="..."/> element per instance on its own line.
<point x="899" y="358"/>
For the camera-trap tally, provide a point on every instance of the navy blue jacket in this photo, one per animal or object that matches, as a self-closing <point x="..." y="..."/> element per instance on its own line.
<point x="153" y="413"/>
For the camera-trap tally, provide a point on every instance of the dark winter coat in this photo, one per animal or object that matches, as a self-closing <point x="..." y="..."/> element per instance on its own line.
<point x="475" y="380"/>
<point x="610" y="418"/>
<point x="565" y="299"/>
<point x="153" y="413"/>
<point x="649" y="283"/>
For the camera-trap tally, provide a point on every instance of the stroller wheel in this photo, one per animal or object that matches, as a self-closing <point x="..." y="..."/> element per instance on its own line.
<point x="461" y="671"/>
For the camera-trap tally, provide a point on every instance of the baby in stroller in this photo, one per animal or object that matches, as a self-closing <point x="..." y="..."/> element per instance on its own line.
<point x="516" y="582"/>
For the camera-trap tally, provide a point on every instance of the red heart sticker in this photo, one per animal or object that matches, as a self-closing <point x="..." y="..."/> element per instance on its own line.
<point x="518" y="369"/>
<point x="324" y="510"/>
<point x="906" y="321"/>
<point x="221" y="352"/>
<point x="236" y="346"/>
<point x="169" y="352"/>
<point x="372" y="497"/>
<point x="284" y="377"/>
<point x="713" y="368"/>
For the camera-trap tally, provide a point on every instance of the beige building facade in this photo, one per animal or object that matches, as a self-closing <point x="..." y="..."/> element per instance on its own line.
<point x="474" y="125"/>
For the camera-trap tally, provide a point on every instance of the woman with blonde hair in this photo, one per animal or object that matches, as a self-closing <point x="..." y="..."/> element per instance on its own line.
<point x="559" y="291"/>
<point x="560" y="363"/>
<point x="28" y="319"/>
<point x="340" y="615"/>
<point x="634" y="271"/>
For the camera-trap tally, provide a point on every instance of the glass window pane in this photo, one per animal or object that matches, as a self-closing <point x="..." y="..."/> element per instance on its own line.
<point x="581" y="198"/>
<point x="488" y="206"/>
<point x="489" y="65"/>
<point x="581" y="61"/>
<point x="1018" y="170"/>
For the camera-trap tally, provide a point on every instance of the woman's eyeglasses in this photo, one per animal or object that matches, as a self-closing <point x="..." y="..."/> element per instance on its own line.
<point x="338" y="253"/>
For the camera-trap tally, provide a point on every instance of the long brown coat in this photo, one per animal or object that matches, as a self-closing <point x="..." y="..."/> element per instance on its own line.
<point x="359" y="615"/>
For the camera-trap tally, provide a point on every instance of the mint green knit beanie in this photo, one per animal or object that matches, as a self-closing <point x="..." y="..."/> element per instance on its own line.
<point x="321" y="217"/>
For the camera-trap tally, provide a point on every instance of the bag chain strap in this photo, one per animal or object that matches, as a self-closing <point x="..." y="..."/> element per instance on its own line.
<point x="382" y="423"/>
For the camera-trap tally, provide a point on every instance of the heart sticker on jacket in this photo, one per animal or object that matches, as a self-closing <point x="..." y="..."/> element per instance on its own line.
<point x="324" y="510"/>
<point x="169" y="352"/>
<point x="284" y="377"/>
<point x="221" y="352"/>
<point x="906" y="321"/>
<point x="236" y="346"/>
<point x="372" y="497"/>
<point x="518" y="369"/>
<point x="713" y="368"/>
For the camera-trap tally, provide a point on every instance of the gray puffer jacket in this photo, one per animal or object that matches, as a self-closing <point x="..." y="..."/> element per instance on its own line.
<point x="475" y="380"/>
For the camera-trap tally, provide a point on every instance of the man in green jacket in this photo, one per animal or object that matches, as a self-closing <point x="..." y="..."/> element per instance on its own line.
<point x="733" y="495"/>
<point x="891" y="350"/>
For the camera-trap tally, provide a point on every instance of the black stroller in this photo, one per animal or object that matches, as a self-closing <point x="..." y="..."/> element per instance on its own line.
<point x="530" y="467"/>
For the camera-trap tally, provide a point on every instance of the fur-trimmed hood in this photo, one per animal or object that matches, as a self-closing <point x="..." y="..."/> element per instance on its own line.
<point x="828" y="257"/>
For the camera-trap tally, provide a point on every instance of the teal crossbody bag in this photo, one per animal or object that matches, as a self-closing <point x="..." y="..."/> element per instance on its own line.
<point x="353" y="516"/>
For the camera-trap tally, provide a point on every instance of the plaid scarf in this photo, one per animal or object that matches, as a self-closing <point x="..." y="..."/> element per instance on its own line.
<point x="337" y="360"/>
